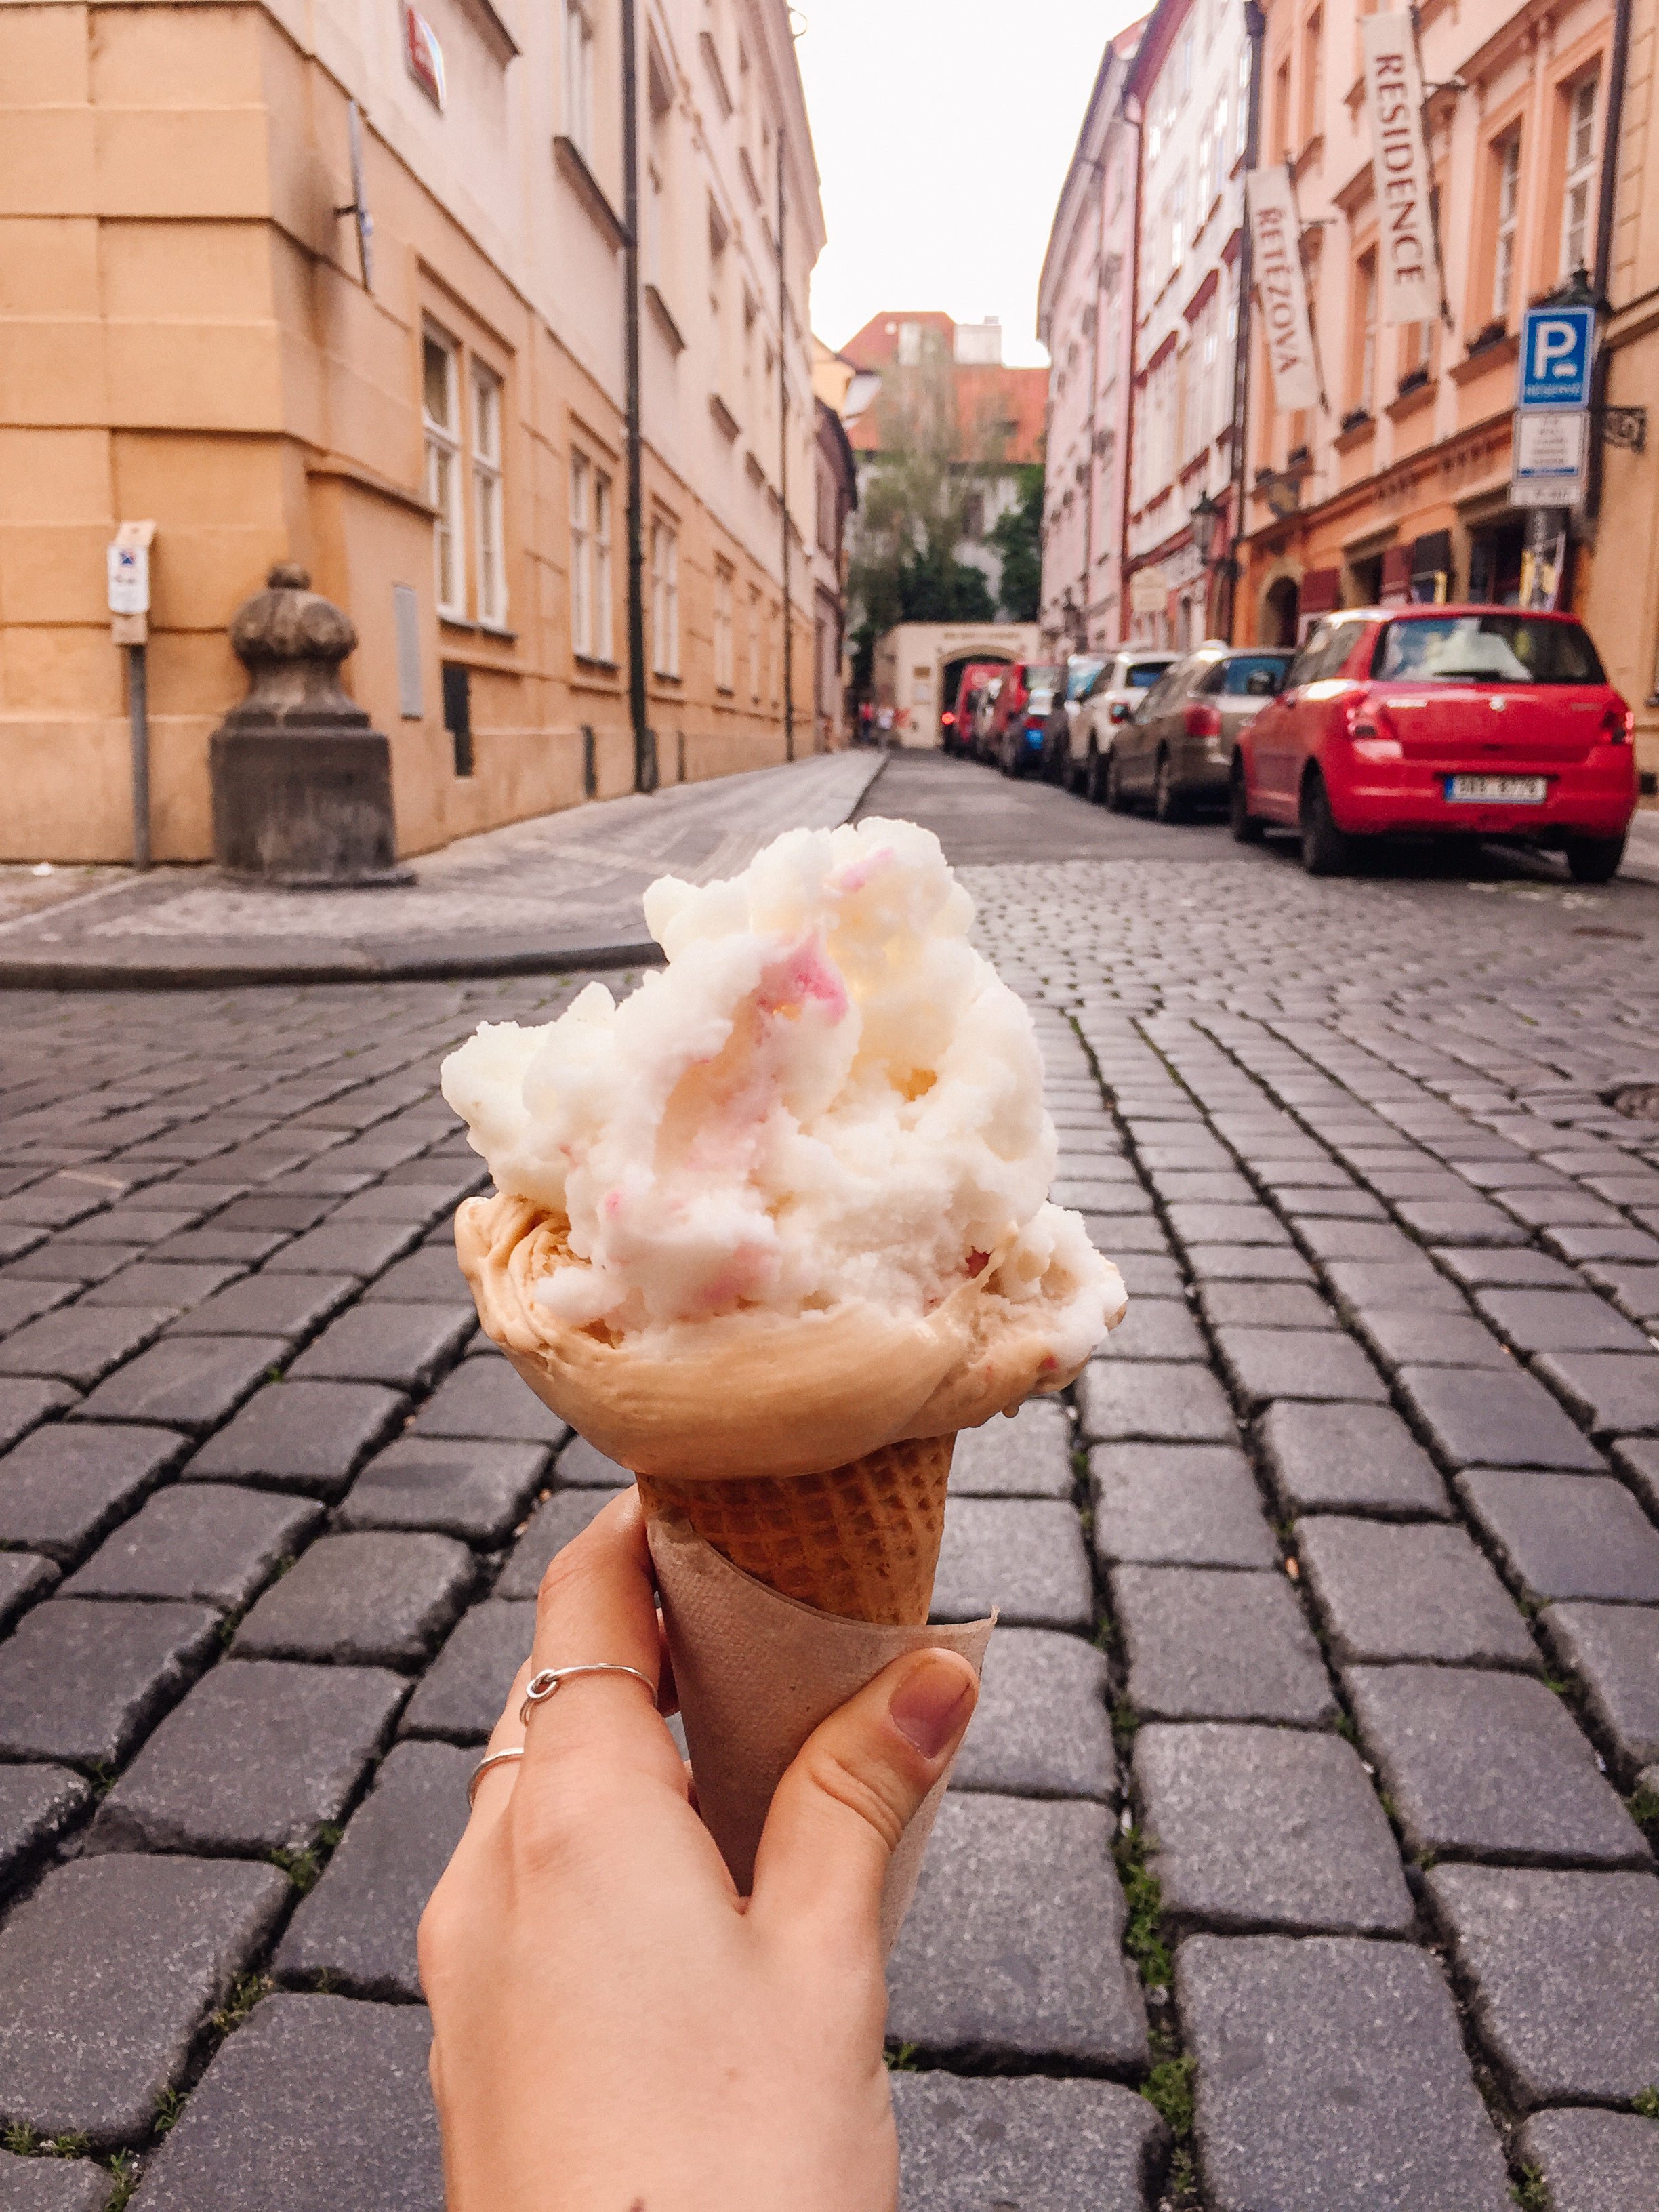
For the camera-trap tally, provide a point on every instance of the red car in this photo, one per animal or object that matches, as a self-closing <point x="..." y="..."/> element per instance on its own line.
<point x="956" y="723"/>
<point x="1472" y="722"/>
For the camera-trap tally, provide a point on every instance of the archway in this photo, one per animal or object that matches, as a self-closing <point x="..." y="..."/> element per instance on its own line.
<point x="1281" y="605"/>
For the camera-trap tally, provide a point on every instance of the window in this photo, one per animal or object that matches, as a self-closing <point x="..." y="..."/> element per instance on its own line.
<point x="579" y="78"/>
<point x="1508" y="203"/>
<point x="1241" y="105"/>
<point x="653" y="225"/>
<point x="1486" y="649"/>
<point x="1178" y="222"/>
<point x="1186" y="65"/>
<point x="602" y="639"/>
<point x="754" y="644"/>
<point x="1219" y="150"/>
<point x="1282" y="112"/>
<point x="1366" y="288"/>
<point x="590" y="560"/>
<point x="1581" y="176"/>
<point x="909" y="344"/>
<point x="440" y="410"/>
<point x="1313" y="76"/>
<point x="665" y="599"/>
<point x="722" y="626"/>
<point x="487" y="494"/>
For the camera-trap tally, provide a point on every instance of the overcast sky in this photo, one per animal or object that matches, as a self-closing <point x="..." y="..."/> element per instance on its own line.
<point x="943" y="128"/>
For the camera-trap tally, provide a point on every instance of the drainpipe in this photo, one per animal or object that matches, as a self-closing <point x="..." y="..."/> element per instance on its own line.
<point x="1255" y="26"/>
<point x="783" y="472"/>
<point x="1099" y="168"/>
<point x="1132" y="297"/>
<point x="1618" y="70"/>
<point x="644" y="743"/>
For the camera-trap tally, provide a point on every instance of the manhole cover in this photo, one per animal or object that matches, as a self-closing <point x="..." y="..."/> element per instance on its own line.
<point x="1639" y="1100"/>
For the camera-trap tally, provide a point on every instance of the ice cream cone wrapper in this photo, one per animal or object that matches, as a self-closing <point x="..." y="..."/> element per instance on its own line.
<point x="756" y="1671"/>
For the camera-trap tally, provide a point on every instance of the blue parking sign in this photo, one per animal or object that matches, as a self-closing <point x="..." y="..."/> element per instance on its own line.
<point x="1556" y="345"/>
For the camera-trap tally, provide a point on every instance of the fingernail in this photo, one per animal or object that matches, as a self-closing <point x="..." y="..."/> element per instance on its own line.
<point x="931" y="1705"/>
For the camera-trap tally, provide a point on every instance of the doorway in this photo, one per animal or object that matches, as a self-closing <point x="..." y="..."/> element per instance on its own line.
<point x="1281" y="605"/>
<point x="1495" y="551"/>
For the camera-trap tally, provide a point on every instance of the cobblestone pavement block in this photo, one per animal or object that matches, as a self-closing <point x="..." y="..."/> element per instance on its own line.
<point x="1577" y="1245"/>
<point x="1029" y="1456"/>
<point x="36" y="1802"/>
<point x="1453" y="1221"/>
<point x="371" y="1598"/>
<point x="177" y="1284"/>
<point x="293" y="1307"/>
<point x="1421" y="1591"/>
<point x="1022" y="1556"/>
<point x="1472" y="1418"/>
<point x="1207" y="1645"/>
<point x="485" y="1398"/>
<point x="301" y="1436"/>
<point x="81" y="1344"/>
<point x="1481" y="1764"/>
<point x="1593" y="2161"/>
<point x="257" y="1759"/>
<point x="1613" y="1649"/>
<point x="580" y="1466"/>
<point x="1633" y="1289"/>
<point x="52" y="2184"/>
<point x="1559" y="1321"/>
<point x="185" y="1383"/>
<point x="1563" y="1969"/>
<point x="1374" y="1244"/>
<point x="23" y="1302"/>
<point x="420" y="1202"/>
<point x="1637" y="1459"/>
<point x="1121" y="1236"/>
<point x="1259" y="1828"/>
<point x="1349" y="1459"/>
<point x="406" y="1346"/>
<point x="1187" y="1505"/>
<point x="316" y="2104"/>
<point x="1040" y="1728"/>
<point x="1565" y="1536"/>
<point x="357" y="1927"/>
<point x="1518" y="1269"/>
<point x="82" y="1682"/>
<point x="464" y="1486"/>
<point x="1332" y="2078"/>
<point x="1428" y="1340"/>
<point x="1149" y="1275"/>
<point x="25" y="1578"/>
<point x="1165" y="1401"/>
<point x="346" y="1248"/>
<point x="430" y="1277"/>
<point x="1044" y="2146"/>
<point x="1247" y="1263"/>
<point x="552" y="1525"/>
<point x="1013" y="1948"/>
<point x="107" y="1971"/>
<point x="1226" y="1224"/>
<point x="1613" y="1394"/>
<point x="1157" y="1328"/>
<point x="213" y="1542"/>
<point x="1264" y="1305"/>
<point x="25" y="1403"/>
<point x="461" y="1695"/>
<point x="1263" y="1365"/>
<point x="1392" y="1287"/>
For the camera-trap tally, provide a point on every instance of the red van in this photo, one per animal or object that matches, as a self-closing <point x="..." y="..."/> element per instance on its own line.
<point x="957" y="723"/>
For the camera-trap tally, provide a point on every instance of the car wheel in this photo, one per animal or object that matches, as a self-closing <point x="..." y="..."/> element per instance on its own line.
<point x="1166" y="807"/>
<point x="1595" y="859"/>
<point x="1244" y="825"/>
<point x="1007" y="761"/>
<point x="1094" y="777"/>
<point x="1117" y="797"/>
<point x="1326" y="850"/>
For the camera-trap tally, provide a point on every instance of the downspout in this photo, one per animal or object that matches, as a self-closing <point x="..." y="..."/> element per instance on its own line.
<point x="1094" y="394"/>
<point x="1611" y="128"/>
<point x="1255" y="26"/>
<point x="1132" y="297"/>
<point x="783" y="472"/>
<point x="644" y="743"/>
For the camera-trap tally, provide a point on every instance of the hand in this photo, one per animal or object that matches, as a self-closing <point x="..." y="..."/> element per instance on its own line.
<point x="614" y="2028"/>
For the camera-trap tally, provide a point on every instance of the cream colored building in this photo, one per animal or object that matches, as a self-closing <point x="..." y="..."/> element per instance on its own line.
<point x="186" y="336"/>
<point x="913" y="661"/>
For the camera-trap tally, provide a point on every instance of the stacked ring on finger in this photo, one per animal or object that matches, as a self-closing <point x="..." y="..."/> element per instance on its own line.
<point x="540" y="1687"/>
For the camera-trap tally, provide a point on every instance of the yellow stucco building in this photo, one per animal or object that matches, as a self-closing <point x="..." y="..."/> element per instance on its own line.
<point x="186" y="336"/>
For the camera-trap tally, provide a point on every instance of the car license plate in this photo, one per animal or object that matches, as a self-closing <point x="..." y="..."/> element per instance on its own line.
<point x="1499" y="790"/>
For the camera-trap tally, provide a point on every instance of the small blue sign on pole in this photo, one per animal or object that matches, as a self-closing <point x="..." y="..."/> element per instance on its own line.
<point x="1556" y="347"/>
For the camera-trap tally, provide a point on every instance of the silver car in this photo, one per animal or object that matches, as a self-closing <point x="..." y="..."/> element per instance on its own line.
<point x="1177" y="749"/>
<point x="1106" y="704"/>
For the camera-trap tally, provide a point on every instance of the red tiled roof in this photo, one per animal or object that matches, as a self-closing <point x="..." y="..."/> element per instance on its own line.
<point x="1011" y="403"/>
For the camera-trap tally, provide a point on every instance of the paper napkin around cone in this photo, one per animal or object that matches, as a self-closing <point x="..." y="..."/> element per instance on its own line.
<point x="756" y="1673"/>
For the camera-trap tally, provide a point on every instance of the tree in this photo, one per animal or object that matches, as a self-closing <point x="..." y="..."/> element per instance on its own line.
<point x="1016" y="533"/>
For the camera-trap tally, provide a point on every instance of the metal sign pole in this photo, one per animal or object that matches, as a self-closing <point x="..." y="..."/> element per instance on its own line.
<point x="138" y="711"/>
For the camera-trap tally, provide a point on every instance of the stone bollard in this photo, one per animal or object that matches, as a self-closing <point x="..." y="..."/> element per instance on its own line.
<point x="301" y="785"/>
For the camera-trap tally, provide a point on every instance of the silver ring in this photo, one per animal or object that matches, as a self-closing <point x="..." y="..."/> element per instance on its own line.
<point x="546" y="1683"/>
<point x="495" y="1759"/>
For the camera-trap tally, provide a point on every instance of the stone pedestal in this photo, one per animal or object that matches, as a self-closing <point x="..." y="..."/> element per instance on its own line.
<point x="301" y="785"/>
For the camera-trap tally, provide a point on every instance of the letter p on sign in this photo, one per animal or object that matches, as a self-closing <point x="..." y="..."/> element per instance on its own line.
<point x="1555" y="357"/>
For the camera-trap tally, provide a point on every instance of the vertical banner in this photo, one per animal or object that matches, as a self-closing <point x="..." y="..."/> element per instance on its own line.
<point x="1407" y="259"/>
<point x="1276" y="250"/>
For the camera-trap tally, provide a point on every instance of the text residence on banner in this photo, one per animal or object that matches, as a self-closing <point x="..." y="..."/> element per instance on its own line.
<point x="1406" y="258"/>
<point x="1276" y="247"/>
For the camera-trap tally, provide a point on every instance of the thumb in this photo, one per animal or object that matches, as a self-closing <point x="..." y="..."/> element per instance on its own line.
<point x="853" y="1790"/>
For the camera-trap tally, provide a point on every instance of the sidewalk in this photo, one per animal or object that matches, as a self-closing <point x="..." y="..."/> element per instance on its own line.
<point x="546" y="894"/>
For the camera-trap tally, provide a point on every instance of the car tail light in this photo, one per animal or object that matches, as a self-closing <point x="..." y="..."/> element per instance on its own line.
<point x="1618" y="724"/>
<point x="1120" y="710"/>
<point x="1372" y="732"/>
<point x="1202" y="721"/>
<point x="948" y="719"/>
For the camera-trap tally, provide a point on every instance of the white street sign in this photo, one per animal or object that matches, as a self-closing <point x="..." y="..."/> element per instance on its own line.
<point x="1550" y="451"/>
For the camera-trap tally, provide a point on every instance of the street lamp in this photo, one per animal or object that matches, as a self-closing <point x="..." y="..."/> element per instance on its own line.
<point x="1205" y="519"/>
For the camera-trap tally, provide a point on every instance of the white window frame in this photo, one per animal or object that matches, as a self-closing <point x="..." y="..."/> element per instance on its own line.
<point x="1178" y="223"/>
<point x="754" y="644"/>
<point x="1509" y="213"/>
<point x="489" y="519"/>
<point x="1579" y="183"/>
<point x="604" y="636"/>
<point x="1241" y="105"/>
<point x="1368" y="334"/>
<point x="664" y="598"/>
<point x="581" y="555"/>
<point x="443" y="475"/>
<point x="579" y="78"/>
<point x="724" y="578"/>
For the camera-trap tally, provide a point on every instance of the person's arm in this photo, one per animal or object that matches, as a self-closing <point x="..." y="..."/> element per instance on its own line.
<point x="614" y="2028"/>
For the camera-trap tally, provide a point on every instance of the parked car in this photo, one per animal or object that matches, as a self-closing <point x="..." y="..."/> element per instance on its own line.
<point x="1176" y="748"/>
<point x="985" y="715"/>
<point x="957" y="723"/>
<point x="1081" y="670"/>
<point x="1109" y="703"/>
<point x="1015" y="741"/>
<point x="1449" y="721"/>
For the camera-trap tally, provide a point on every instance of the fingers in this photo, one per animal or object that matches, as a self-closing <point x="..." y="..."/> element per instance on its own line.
<point x="855" y="1785"/>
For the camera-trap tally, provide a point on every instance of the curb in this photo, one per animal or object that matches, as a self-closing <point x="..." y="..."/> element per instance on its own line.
<point x="52" y="974"/>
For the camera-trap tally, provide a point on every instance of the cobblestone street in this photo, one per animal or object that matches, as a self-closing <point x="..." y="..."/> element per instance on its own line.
<point x="1300" y="1857"/>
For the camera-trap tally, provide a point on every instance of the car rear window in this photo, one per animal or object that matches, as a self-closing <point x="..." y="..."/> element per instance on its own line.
<point x="1250" y="676"/>
<point x="1041" y="676"/>
<point x="1494" y="648"/>
<point x="1141" y="675"/>
<point x="1080" y="679"/>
